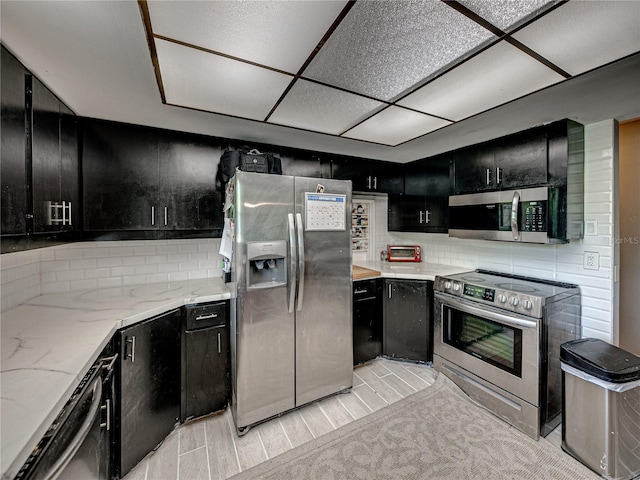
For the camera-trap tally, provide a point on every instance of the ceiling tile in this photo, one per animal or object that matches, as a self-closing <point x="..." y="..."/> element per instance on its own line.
<point x="279" y="34"/>
<point x="382" y="48"/>
<point x="196" y="79"/>
<point x="581" y="35"/>
<point x="491" y="78"/>
<point x="316" y="107"/>
<point x="507" y="14"/>
<point x="395" y="125"/>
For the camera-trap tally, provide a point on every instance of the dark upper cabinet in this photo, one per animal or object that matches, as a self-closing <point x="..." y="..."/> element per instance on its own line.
<point x="152" y="183"/>
<point x="54" y="162"/>
<point x="304" y="165"/>
<point x="424" y="207"/>
<point x="518" y="160"/>
<point x="13" y="146"/>
<point x="369" y="175"/>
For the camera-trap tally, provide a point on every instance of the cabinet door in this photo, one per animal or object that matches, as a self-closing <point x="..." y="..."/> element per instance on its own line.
<point x="387" y="178"/>
<point x="121" y="176"/>
<point x="474" y="169"/>
<point x="187" y="198"/>
<point x="69" y="166"/>
<point x="406" y="320"/>
<point x="206" y="381"/>
<point x="406" y="213"/>
<point x="354" y="169"/>
<point x="521" y="160"/>
<point x="45" y="155"/>
<point x="436" y="215"/>
<point x="304" y="166"/>
<point x="149" y="387"/>
<point x="13" y="145"/>
<point x="367" y="321"/>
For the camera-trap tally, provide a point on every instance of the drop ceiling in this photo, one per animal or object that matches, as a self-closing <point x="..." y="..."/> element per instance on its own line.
<point x="393" y="80"/>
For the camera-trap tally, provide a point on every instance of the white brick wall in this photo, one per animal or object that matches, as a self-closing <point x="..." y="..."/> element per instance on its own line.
<point x="75" y="266"/>
<point x="555" y="262"/>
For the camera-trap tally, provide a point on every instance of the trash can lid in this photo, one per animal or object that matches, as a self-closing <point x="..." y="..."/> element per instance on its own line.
<point x="601" y="360"/>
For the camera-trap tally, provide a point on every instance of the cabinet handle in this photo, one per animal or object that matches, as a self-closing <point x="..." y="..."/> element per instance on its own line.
<point x="165" y="216"/>
<point x="358" y="292"/>
<point x="375" y="183"/>
<point x="153" y="215"/>
<point x="369" y="182"/>
<point x="421" y="217"/>
<point x="389" y="290"/>
<point x="132" y="354"/>
<point x="106" y="407"/>
<point x="427" y="213"/>
<point x="206" y="317"/>
<point x="219" y="350"/>
<point x="64" y="212"/>
<point x="498" y="175"/>
<point x="69" y="207"/>
<point x="488" y="176"/>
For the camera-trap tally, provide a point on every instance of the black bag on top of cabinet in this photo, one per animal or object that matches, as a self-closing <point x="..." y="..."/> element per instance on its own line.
<point x="248" y="161"/>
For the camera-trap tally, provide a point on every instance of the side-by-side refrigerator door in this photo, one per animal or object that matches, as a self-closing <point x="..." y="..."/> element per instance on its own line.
<point x="324" y="347"/>
<point x="262" y="324"/>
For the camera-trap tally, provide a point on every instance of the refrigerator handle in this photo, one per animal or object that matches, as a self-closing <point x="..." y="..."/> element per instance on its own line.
<point x="292" y="262"/>
<point x="300" y="260"/>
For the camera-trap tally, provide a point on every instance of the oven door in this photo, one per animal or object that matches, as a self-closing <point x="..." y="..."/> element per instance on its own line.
<point x="501" y="348"/>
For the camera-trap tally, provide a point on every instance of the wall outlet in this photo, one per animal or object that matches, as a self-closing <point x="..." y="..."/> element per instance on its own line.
<point x="591" y="260"/>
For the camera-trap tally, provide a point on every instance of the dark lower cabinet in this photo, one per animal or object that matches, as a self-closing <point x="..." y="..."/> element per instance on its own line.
<point x="148" y="387"/>
<point x="205" y="360"/>
<point x="408" y="325"/>
<point x="367" y="320"/>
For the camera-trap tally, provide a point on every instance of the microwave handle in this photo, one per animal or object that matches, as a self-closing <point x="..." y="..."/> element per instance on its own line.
<point x="515" y="206"/>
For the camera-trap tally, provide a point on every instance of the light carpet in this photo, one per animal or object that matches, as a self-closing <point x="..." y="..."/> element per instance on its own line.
<point x="435" y="433"/>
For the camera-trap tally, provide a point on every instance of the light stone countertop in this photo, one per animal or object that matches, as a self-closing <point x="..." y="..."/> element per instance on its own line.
<point x="410" y="270"/>
<point x="50" y="342"/>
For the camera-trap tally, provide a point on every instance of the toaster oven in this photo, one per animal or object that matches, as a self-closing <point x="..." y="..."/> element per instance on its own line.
<point x="404" y="253"/>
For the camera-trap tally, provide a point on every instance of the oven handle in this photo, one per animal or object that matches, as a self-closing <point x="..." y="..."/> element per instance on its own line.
<point x="484" y="312"/>
<point x="80" y="437"/>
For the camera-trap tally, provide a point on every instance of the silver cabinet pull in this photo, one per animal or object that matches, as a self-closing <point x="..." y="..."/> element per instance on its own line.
<point x="357" y="292"/>
<point x="219" y="350"/>
<point x="132" y="354"/>
<point x="375" y="183"/>
<point x="421" y="216"/>
<point x="488" y="176"/>
<point x="427" y="214"/>
<point x="165" y="216"/>
<point x="107" y="408"/>
<point x="206" y="317"/>
<point x="369" y="182"/>
<point x="389" y="288"/>
<point x="64" y="212"/>
<point x="153" y="215"/>
<point x="498" y="175"/>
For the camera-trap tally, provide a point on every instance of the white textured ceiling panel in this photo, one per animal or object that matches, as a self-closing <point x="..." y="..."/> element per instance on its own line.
<point x="498" y="75"/>
<point x="382" y="48"/>
<point x="200" y="80"/>
<point x="581" y="35"/>
<point x="280" y="34"/>
<point x="395" y="125"/>
<point x="507" y="14"/>
<point x="316" y="107"/>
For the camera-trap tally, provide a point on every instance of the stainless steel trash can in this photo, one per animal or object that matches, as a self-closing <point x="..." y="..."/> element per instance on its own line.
<point x="601" y="407"/>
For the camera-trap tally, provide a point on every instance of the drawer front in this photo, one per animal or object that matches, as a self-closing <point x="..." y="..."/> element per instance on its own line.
<point x="208" y="315"/>
<point x="364" y="290"/>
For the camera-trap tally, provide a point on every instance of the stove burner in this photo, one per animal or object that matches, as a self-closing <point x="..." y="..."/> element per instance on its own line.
<point x="517" y="287"/>
<point x="474" y="279"/>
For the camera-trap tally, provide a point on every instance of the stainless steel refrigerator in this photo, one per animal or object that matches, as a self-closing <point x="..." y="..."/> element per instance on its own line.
<point x="291" y="311"/>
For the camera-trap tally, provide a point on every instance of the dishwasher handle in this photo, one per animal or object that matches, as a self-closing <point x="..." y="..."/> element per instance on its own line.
<point x="83" y="432"/>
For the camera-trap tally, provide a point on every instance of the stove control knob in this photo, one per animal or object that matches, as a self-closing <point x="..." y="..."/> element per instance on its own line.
<point x="528" y="305"/>
<point x="447" y="285"/>
<point x="514" y="301"/>
<point x="502" y="298"/>
<point x="456" y="287"/>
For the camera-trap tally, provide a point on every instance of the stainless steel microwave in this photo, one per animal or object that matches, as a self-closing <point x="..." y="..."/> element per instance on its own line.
<point x="532" y="215"/>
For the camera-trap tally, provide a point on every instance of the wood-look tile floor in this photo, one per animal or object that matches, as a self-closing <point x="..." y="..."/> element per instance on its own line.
<point x="209" y="449"/>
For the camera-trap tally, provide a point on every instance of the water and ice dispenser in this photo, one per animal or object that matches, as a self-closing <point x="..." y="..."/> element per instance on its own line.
<point x="266" y="264"/>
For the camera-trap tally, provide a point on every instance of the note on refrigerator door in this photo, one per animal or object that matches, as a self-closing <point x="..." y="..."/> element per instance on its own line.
<point x="226" y="242"/>
<point x="324" y="211"/>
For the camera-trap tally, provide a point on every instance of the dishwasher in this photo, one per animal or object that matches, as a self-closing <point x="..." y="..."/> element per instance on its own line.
<point x="77" y="445"/>
<point x="205" y="360"/>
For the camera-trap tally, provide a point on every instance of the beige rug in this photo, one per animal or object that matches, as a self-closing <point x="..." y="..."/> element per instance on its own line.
<point x="435" y="433"/>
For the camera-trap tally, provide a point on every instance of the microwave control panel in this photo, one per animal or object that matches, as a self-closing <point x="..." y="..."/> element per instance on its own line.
<point x="534" y="216"/>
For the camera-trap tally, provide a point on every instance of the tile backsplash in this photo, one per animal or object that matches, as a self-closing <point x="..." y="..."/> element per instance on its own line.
<point x="75" y="266"/>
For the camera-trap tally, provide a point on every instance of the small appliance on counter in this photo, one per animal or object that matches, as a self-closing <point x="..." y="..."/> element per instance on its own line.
<point x="404" y="253"/>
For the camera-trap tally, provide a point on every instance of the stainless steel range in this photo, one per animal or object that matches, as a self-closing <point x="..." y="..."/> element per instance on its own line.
<point x="498" y="337"/>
